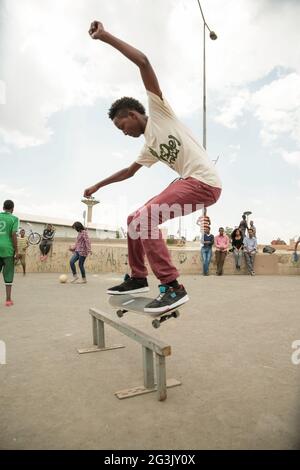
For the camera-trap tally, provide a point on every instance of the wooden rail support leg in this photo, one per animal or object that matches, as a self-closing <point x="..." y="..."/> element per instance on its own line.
<point x="98" y="338"/>
<point x="161" y="377"/>
<point x="94" y="330"/>
<point x="148" y="368"/>
<point x="100" y="334"/>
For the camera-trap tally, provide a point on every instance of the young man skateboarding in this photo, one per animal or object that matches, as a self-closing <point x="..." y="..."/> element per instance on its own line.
<point x="166" y="140"/>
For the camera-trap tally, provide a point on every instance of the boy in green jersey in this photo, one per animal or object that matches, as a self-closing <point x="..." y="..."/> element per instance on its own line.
<point x="9" y="225"/>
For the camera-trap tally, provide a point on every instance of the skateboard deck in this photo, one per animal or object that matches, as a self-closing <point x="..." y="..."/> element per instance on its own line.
<point x="129" y="303"/>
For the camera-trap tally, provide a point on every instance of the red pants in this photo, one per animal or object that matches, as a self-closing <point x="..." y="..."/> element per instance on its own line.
<point x="182" y="197"/>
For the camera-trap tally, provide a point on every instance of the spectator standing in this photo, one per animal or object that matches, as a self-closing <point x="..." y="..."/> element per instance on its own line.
<point x="206" y="250"/>
<point x="243" y="226"/>
<point x="250" y="249"/>
<point x="221" y="243"/>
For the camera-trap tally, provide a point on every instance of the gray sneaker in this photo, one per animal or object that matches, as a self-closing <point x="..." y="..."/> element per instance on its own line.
<point x="169" y="298"/>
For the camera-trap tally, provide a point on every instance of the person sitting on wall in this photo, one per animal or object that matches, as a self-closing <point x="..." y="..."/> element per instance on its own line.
<point x="237" y="247"/>
<point x="47" y="240"/>
<point x="253" y="228"/>
<point x="295" y="254"/>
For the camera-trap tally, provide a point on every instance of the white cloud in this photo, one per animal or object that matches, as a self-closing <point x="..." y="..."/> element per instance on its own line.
<point x="257" y="202"/>
<point x="119" y="155"/>
<point x="276" y="106"/>
<point x="293" y="158"/>
<point x="68" y="210"/>
<point x="4" y="150"/>
<point x="9" y="192"/>
<point x="51" y="64"/>
<point x="233" y="110"/>
<point x="233" y="153"/>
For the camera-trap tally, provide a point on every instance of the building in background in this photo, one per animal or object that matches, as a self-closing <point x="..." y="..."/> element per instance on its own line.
<point x="63" y="227"/>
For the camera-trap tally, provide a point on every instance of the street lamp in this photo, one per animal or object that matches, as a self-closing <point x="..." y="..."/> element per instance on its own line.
<point x="90" y="202"/>
<point x="212" y="36"/>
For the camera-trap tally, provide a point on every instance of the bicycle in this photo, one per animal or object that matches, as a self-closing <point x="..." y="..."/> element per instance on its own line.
<point x="34" y="238"/>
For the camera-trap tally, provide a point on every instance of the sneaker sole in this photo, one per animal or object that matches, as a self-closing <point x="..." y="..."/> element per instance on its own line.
<point x="134" y="291"/>
<point x="167" y="308"/>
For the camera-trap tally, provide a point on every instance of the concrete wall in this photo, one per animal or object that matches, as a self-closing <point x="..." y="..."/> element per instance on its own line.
<point x="112" y="257"/>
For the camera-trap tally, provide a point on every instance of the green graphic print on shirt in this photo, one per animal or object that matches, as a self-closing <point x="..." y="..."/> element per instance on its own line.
<point x="168" y="152"/>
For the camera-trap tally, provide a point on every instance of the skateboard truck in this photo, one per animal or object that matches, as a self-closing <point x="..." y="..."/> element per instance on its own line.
<point x="157" y="321"/>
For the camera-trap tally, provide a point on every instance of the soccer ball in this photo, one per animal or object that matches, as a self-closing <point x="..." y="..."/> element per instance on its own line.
<point x="63" y="278"/>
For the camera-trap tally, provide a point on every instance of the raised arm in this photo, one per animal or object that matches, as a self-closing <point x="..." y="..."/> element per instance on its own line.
<point x="119" y="176"/>
<point x="149" y="78"/>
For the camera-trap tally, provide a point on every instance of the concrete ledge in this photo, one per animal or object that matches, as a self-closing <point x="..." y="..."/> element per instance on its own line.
<point x="113" y="257"/>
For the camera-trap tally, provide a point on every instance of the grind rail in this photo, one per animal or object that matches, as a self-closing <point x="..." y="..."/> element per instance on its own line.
<point x="150" y="347"/>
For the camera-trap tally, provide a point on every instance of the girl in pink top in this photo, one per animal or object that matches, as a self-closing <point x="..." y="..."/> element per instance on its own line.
<point x="81" y="250"/>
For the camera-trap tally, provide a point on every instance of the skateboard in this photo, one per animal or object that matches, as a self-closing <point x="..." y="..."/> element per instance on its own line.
<point x="129" y="303"/>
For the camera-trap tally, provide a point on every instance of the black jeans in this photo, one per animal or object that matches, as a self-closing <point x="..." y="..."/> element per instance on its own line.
<point x="81" y="259"/>
<point x="45" y="246"/>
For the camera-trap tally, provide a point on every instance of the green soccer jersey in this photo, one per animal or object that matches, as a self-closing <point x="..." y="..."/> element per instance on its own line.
<point x="8" y="224"/>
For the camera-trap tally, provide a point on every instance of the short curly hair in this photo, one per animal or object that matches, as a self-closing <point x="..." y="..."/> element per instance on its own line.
<point x="8" y="205"/>
<point x="125" y="104"/>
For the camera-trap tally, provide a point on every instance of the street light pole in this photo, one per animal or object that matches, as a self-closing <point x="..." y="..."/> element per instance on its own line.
<point x="212" y="36"/>
<point x="204" y="89"/>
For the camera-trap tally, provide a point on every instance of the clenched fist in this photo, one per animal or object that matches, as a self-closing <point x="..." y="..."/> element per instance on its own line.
<point x="89" y="191"/>
<point x="96" y="30"/>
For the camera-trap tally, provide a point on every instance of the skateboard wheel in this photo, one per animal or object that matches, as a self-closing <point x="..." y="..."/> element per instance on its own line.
<point x="156" y="323"/>
<point x="176" y="314"/>
<point x="120" y="313"/>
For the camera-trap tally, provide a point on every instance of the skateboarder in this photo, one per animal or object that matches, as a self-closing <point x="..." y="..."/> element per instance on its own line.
<point x="166" y="140"/>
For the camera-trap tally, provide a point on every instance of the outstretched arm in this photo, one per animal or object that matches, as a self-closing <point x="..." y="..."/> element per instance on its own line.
<point x="149" y="78"/>
<point x="119" y="176"/>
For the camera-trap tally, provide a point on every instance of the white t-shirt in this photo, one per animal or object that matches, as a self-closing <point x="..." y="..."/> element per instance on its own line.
<point x="169" y="141"/>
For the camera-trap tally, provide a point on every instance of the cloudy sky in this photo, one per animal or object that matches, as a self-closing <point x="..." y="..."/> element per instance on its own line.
<point x="56" y="86"/>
